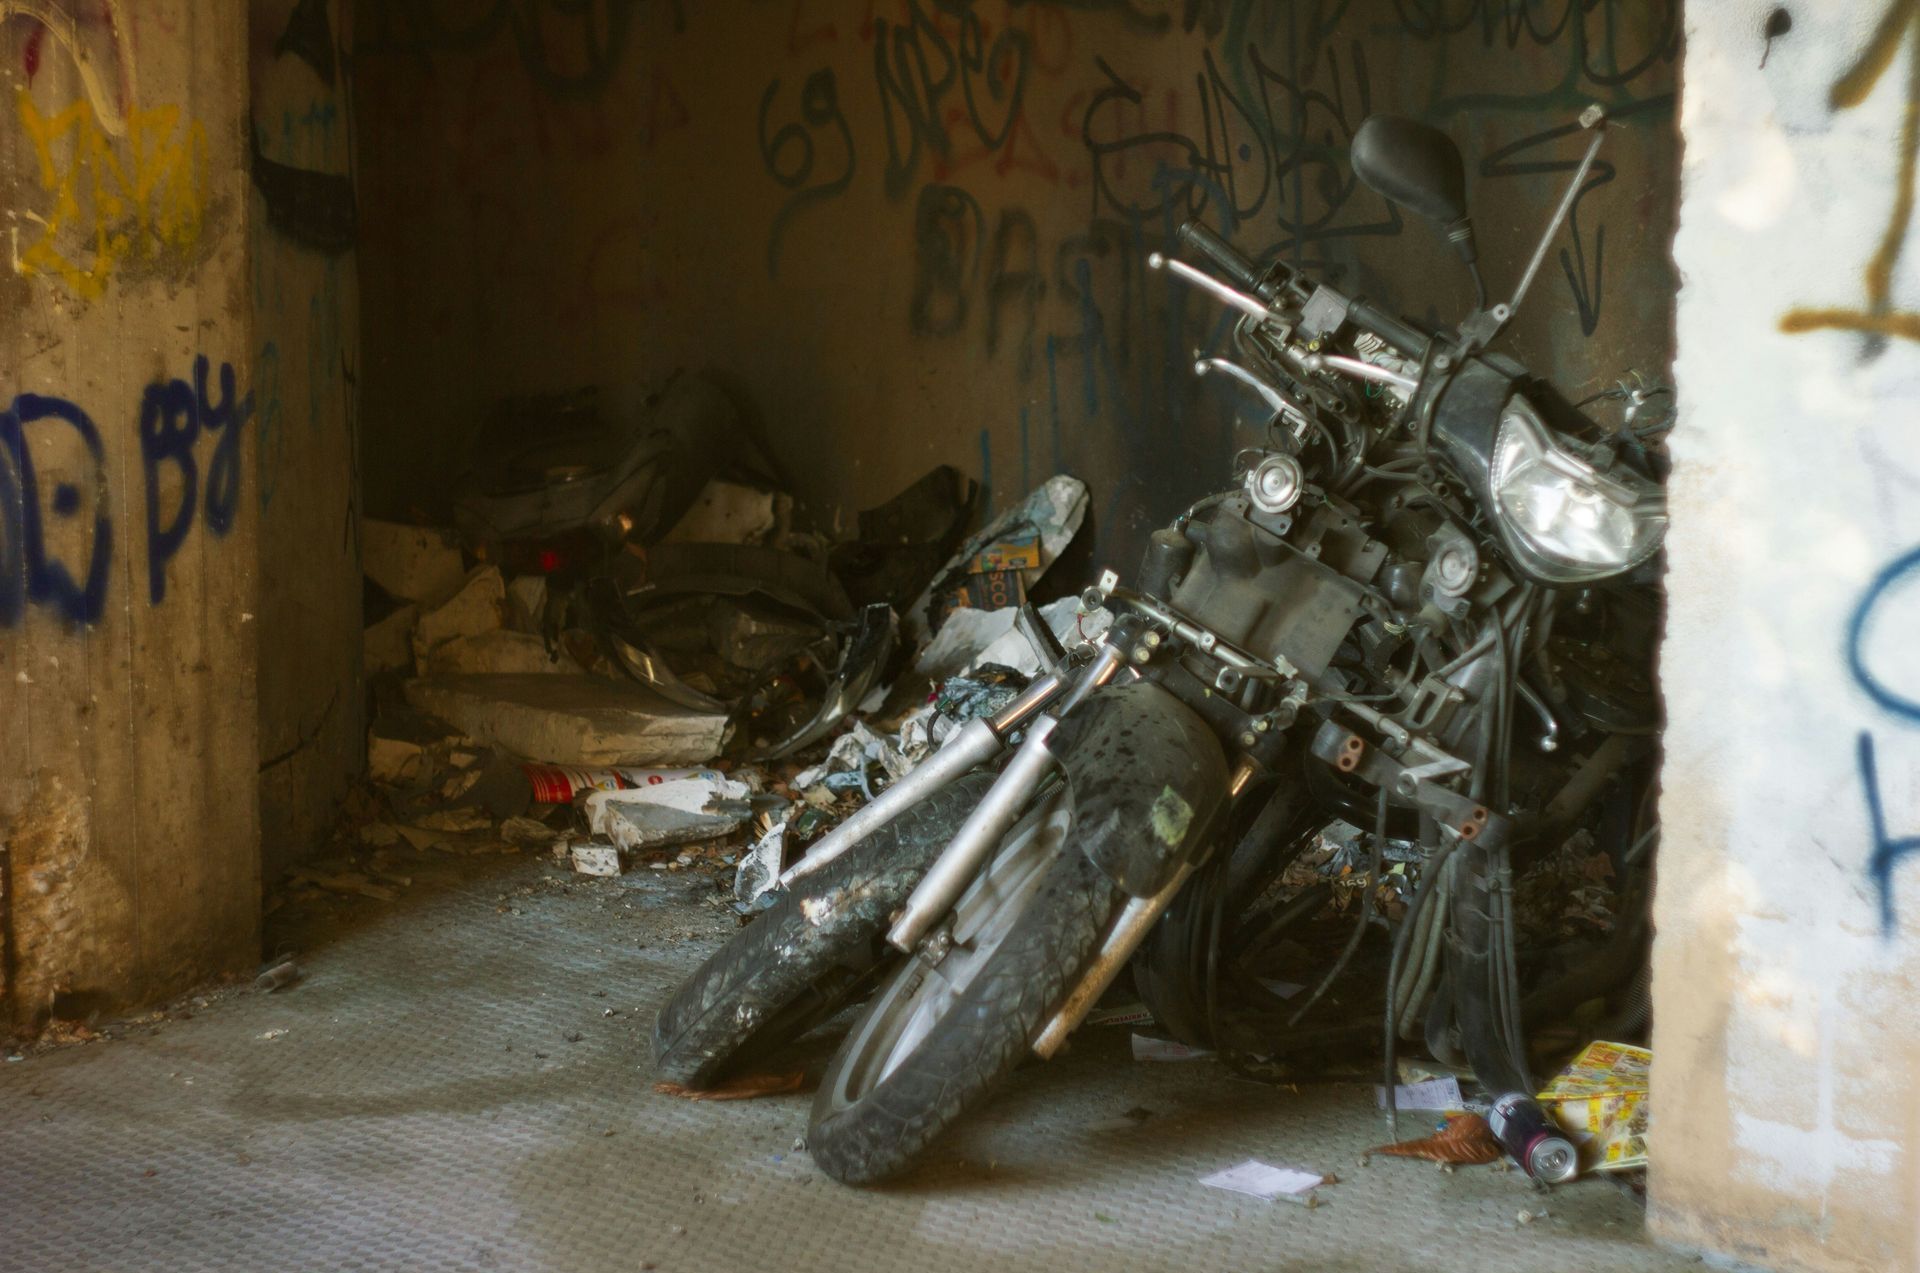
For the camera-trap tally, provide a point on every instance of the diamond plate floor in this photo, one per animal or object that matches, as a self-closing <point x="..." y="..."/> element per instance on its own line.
<point x="461" y="1082"/>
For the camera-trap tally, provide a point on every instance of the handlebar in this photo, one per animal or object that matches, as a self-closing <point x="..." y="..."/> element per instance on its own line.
<point x="1242" y="273"/>
<point x="1226" y="259"/>
<point x="1387" y="327"/>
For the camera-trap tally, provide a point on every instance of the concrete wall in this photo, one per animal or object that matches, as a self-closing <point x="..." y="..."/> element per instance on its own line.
<point x="305" y="478"/>
<point x="128" y="525"/>
<point x="918" y="229"/>
<point x="1787" y="1124"/>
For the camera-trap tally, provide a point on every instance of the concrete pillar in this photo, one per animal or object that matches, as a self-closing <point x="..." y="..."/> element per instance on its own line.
<point x="128" y="525"/>
<point x="1787" y="1118"/>
<point x="305" y="482"/>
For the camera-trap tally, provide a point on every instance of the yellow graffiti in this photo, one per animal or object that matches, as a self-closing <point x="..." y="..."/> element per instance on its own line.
<point x="110" y="88"/>
<point x="141" y="200"/>
<point x="1901" y="22"/>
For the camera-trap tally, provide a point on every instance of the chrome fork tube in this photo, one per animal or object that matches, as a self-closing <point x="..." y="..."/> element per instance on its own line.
<point x="977" y="838"/>
<point x="975" y="742"/>
<point x="978" y="740"/>
<point x="997" y="811"/>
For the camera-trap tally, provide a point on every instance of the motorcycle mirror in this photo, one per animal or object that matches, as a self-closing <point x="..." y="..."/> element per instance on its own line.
<point x="1416" y="166"/>
<point x="1419" y="168"/>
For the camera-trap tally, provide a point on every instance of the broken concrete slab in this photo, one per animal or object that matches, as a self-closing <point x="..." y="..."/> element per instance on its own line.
<point x="388" y="644"/>
<point x="698" y="805"/>
<point x="413" y="563"/>
<point x="394" y="761"/>
<point x="526" y="602"/>
<point x="400" y="743"/>
<point x="595" y="859"/>
<point x="479" y="606"/>
<point x="501" y="650"/>
<point x="570" y="719"/>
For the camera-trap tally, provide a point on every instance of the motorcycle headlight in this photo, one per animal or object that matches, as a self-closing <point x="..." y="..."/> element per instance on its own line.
<point x="1566" y="520"/>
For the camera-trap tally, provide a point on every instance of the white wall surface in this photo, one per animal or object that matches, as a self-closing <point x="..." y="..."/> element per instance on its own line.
<point x="1786" y="1025"/>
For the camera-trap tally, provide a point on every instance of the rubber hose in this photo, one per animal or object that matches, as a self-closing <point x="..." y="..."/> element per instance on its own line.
<point x="1471" y="950"/>
<point x="1427" y="971"/>
<point x="1421" y="897"/>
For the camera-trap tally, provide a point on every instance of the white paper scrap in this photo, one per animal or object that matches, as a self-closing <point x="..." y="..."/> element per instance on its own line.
<point x="1262" y="1181"/>
<point x="1441" y="1094"/>
<point x="1128" y="1014"/>
<point x="1146" y="1049"/>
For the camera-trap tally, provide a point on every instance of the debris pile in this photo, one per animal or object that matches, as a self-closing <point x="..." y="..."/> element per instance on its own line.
<point x="634" y="649"/>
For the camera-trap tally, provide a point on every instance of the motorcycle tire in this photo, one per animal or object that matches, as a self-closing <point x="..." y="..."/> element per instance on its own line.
<point x="810" y="954"/>
<point x="942" y="1035"/>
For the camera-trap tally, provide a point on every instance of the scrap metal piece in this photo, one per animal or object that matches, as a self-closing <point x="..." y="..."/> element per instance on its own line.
<point x="860" y="667"/>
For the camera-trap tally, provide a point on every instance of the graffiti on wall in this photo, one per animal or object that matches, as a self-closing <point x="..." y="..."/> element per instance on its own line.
<point x="567" y="48"/>
<point x="308" y="198"/>
<point x="1878" y="319"/>
<point x="110" y="204"/>
<point x="1026" y="155"/>
<point x="790" y="152"/>
<point x="986" y="118"/>
<point x="57" y="534"/>
<point x="1887" y="850"/>
<point x="96" y="36"/>
<point x="1899" y="25"/>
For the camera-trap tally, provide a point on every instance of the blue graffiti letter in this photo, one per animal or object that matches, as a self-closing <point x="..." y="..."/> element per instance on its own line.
<point x="1886" y="851"/>
<point x="169" y="426"/>
<point x="223" y="471"/>
<point x="1876" y="689"/>
<point x="13" y="558"/>
<point x="23" y="547"/>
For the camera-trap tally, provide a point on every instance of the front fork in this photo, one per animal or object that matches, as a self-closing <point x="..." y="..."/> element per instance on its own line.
<point x="977" y="742"/>
<point x="1038" y="709"/>
<point x="997" y="811"/>
<point x="1135" y="921"/>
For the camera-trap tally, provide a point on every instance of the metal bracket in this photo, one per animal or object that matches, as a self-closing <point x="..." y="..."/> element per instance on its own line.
<point x="1464" y="817"/>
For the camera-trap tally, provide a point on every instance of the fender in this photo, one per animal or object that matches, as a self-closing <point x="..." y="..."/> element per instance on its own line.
<point x="1148" y="779"/>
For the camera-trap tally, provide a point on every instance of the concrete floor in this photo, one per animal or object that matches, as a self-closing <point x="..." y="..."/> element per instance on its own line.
<point x="461" y="1081"/>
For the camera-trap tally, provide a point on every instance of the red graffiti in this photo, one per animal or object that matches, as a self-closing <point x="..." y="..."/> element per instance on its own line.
<point x="666" y="109"/>
<point x="1020" y="152"/>
<point x="799" y="38"/>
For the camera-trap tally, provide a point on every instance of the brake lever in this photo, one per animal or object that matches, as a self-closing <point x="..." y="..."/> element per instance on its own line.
<point x="1248" y="305"/>
<point x="1360" y="370"/>
<point x="1281" y="404"/>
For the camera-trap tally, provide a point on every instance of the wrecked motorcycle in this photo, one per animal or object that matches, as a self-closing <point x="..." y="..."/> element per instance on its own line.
<point x="1425" y="614"/>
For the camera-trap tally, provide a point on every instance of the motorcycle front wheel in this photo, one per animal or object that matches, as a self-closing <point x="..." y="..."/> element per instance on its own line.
<point x="815" y="951"/>
<point x="960" y="1015"/>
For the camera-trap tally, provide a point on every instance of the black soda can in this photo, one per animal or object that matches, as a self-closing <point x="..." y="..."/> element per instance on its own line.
<point x="1532" y="1139"/>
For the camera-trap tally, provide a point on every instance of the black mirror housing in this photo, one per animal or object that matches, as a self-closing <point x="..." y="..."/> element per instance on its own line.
<point x="1416" y="166"/>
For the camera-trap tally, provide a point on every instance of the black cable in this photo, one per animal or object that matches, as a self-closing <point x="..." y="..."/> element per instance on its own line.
<point x="1429" y="880"/>
<point x="1213" y="953"/>
<point x="1479" y="286"/>
<point x="1510" y="986"/>
<point x="1366" y="912"/>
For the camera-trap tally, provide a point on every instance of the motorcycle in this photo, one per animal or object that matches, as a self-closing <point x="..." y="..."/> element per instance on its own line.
<point x="1424" y="614"/>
